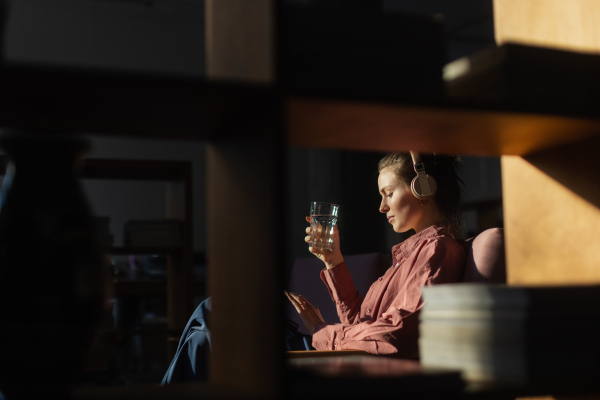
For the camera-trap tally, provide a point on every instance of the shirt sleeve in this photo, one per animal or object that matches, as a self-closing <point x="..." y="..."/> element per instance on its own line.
<point x="343" y="292"/>
<point x="396" y="329"/>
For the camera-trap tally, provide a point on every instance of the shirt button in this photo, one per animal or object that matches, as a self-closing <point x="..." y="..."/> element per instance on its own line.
<point x="335" y="344"/>
<point x="381" y="278"/>
<point x="369" y="310"/>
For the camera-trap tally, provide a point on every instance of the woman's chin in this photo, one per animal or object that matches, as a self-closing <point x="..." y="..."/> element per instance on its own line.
<point x="399" y="229"/>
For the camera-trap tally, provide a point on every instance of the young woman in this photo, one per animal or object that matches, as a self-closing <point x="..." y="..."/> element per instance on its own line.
<point x="386" y="320"/>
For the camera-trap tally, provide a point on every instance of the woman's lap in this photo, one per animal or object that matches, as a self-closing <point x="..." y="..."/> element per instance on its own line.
<point x="191" y="359"/>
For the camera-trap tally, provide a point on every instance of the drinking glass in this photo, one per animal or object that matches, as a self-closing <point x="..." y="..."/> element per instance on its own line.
<point x="323" y="217"/>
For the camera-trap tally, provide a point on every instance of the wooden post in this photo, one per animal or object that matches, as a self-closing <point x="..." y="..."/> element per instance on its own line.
<point x="240" y="40"/>
<point x="244" y="242"/>
<point x="552" y="214"/>
<point x="563" y="24"/>
<point x="552" y="198"/>
<point x="244" y="205"/>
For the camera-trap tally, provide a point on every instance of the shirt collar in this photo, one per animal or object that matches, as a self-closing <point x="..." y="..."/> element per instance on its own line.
<point x="403" y="249"/>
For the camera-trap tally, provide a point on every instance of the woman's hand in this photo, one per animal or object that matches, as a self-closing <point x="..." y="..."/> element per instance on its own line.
<point x="309" y="314"/>
<point x="331" y="258"/>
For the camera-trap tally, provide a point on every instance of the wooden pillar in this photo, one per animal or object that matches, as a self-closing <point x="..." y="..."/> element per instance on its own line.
<point x="240" y="40"/>
<point x="244" y="243"/>
<point x="552" y="215"/>
<point x="552" y="198"/>
<point x="244" y="190"/>
<point x="563" y="24"/>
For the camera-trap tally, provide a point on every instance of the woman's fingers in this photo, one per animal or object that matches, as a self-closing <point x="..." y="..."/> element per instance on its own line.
<point x="301" y="300"/>
<point x="309" y="306"/>
<point x="319" y="252"/>
<point x="309" y="314"/>
<point x="297" y="298"/>
<point x="294" y="301"/>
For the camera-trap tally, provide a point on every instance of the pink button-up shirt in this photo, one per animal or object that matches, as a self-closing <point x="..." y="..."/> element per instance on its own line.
<point x="386" y="321"/>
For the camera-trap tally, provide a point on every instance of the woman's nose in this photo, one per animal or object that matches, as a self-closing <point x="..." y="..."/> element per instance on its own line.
<point x="383" y="208"/>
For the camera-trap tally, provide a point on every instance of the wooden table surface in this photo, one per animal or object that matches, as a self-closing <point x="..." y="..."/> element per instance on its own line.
<point x="355" y="374"/>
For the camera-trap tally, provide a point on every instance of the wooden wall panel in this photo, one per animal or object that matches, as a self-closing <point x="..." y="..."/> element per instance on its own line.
<point x="239" y="40"/>
<point x="564" y="24"/>
<point x="552" y="215"/>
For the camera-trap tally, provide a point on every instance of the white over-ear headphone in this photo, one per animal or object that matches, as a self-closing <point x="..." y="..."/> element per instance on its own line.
<point x="423" y="186"/>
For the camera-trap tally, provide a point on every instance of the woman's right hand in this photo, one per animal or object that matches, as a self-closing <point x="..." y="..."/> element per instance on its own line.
<point x="331" y="258"/>
<point x="309" y="314"/>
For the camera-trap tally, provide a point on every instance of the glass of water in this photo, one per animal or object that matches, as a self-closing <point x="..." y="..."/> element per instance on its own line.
<point x="323" y="217"/>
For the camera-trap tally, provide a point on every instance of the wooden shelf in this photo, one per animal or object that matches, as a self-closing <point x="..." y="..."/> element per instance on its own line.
<point x="142" y="170"/>
<point x="127" y="250"/>
<point x="183" y="108"/>
<point x="116" y="334"/>
<point x="125" y="288"/>
<point x="445" y="127"/>
<point x="137" y="170"/>
<point x="55" y="99"/>
<point x="140" y="288"/>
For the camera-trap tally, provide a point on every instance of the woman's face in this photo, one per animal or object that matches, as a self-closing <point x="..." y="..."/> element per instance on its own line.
<point x="401" y="207"/>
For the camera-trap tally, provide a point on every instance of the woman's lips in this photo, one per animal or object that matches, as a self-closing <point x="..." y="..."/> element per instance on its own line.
<point x="390" y="219"/>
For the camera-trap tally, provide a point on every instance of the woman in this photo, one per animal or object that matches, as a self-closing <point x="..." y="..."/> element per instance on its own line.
<point x="386" y="320"/>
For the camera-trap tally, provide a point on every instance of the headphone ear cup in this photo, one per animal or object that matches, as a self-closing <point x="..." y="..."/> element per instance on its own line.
<point x="417" y="190"/>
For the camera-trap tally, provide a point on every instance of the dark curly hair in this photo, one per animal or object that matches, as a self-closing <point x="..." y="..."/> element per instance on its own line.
<point x="444" y="168"/>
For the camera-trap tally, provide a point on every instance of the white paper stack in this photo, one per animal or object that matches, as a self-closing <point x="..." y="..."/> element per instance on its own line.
<point x="513" y="335"/>
<point x="164" y="233"/>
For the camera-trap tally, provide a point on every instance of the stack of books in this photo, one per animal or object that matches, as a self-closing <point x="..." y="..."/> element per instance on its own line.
<point x="513" y="335"/>
<point x="164" y="233"/>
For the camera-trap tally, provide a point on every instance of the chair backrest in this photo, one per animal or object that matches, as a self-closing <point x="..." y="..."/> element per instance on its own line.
<point x="485" y="257"/>
<point x="306" y="280"/>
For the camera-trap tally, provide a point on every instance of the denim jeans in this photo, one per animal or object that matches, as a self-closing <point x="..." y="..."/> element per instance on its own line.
<point x="191" y="359"/>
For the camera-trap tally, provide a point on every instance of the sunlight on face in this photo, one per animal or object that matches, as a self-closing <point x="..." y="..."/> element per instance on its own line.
<point x="401" y="207"/>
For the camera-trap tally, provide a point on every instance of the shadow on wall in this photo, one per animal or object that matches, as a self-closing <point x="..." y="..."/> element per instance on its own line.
<point x="579" y="170"/>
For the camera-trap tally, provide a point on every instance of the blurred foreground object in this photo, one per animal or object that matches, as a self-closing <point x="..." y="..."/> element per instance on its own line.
<point x="51" y="287"/>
